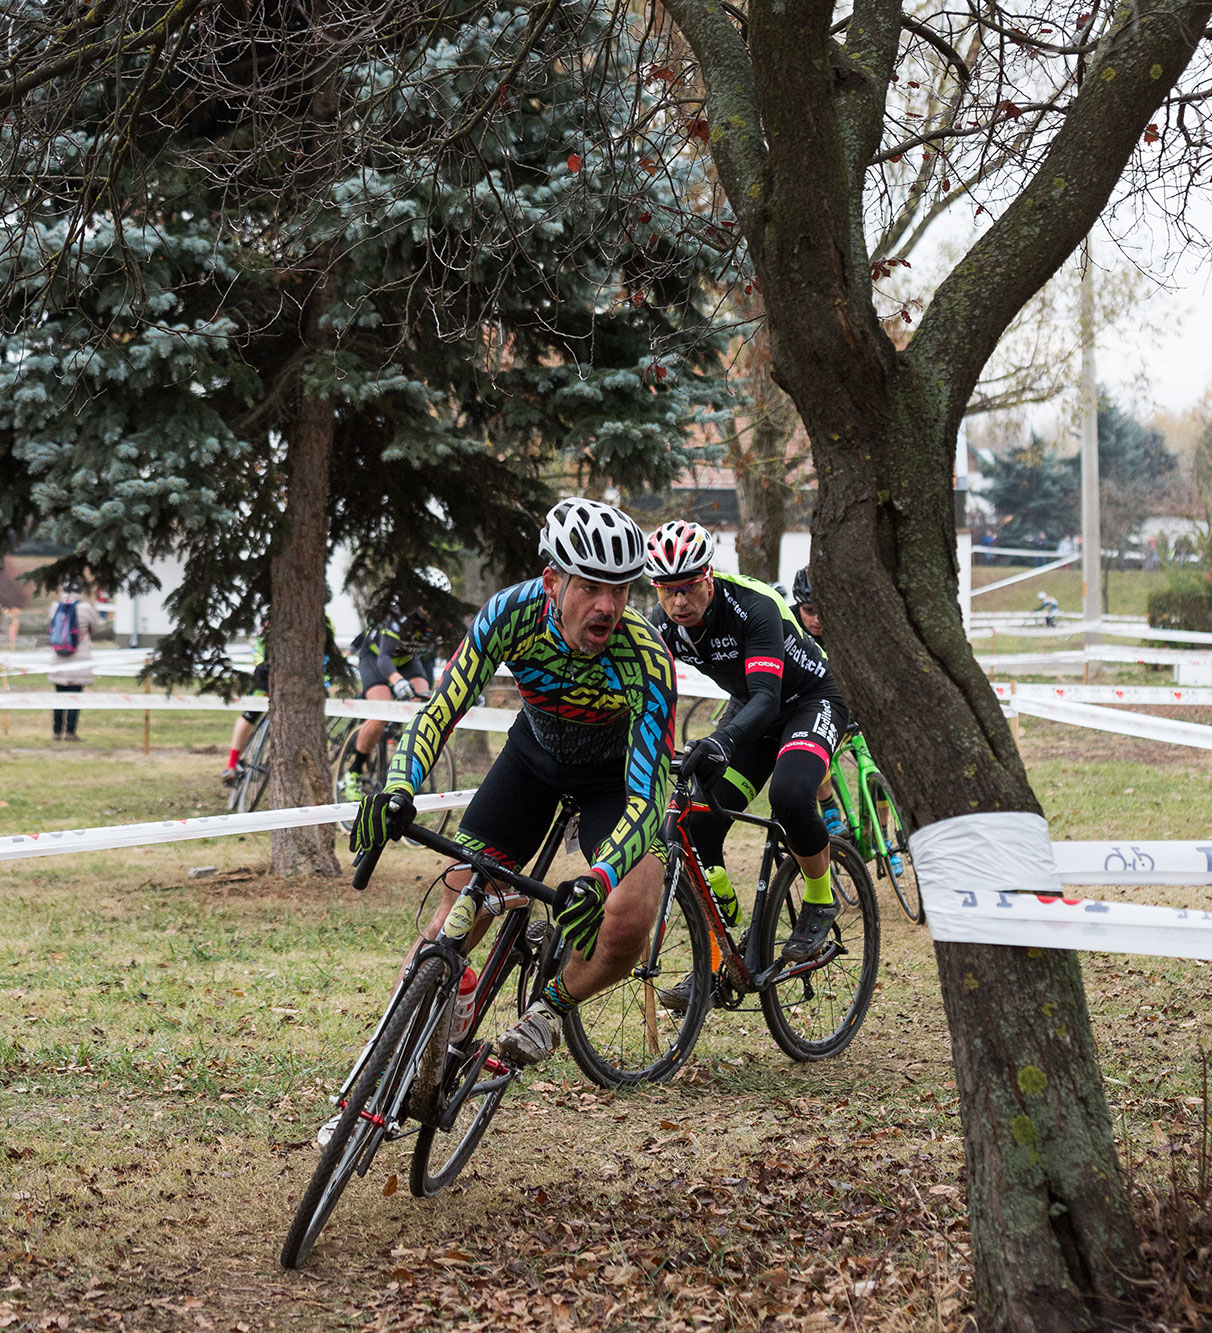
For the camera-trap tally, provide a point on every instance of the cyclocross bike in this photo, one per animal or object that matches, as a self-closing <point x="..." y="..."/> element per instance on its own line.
<point x="252" y="770"/>
<point x="416" y="1080"/>
<point x="874" y="819"/>
<point x="629" y="1034"/>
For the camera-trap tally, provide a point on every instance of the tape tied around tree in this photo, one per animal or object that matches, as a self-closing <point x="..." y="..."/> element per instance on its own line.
<point x="993" y="878"/>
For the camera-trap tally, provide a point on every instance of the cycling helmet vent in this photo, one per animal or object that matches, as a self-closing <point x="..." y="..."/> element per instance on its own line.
<point x="593" y="540"/>
<point x="677" y="549"/>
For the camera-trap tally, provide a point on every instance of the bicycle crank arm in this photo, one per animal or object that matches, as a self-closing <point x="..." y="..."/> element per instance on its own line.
<point x="781" y="971"/>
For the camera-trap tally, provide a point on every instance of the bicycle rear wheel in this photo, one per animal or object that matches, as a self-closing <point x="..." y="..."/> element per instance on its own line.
<point x="894" y="842"/>
<point x="256" y="769"/>
<point x="814" y="1009"/>
<point x="390" y="1065"/>
<point x="625" y="1035"/>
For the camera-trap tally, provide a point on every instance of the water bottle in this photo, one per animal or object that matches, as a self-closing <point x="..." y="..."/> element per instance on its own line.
<point x="465" y="1006"/>
<point x="724" y="894"/>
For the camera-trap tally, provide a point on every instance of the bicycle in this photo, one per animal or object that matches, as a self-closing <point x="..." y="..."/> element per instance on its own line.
<point x="874" y="819"/>
<point x="252" y="770"/>
<point x="441" y="776"/>
<point x="412" y="1079"/>
<point x="813" y="1008"/>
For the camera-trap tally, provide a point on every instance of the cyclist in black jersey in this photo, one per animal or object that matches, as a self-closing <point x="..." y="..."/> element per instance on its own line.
<point x="395" y="661"/>
<point x="784" y="719"/>
<point x="597" y="691"/>
<point x="805" y="609"/>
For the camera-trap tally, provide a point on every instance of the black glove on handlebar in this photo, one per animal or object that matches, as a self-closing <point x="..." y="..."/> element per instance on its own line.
<point x="386" y="814"/>
<point x="707" y="760"/>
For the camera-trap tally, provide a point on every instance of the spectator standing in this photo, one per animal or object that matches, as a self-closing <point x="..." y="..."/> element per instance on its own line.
<point x="71" y="674"/>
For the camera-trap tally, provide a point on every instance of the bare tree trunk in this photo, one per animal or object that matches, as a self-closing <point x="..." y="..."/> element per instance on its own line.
<point x="295" y="647"/>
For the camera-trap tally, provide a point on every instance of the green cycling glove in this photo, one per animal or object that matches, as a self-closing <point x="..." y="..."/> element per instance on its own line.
<point x="580" y="916"/>
<point x="377" y="821"/>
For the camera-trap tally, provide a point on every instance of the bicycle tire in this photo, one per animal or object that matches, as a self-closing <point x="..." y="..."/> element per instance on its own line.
<point x="357" y="1136"/>
<point x="374" y="775"/>
<point x="624" y="1036"/>
<point x="256" y="769"/>
<point x="814" y="1014"/>
<point x="700" y="718"/>
<point x="455" y="1146"/>
<point x="895" y="841"/>
<point x="441" y="777"/>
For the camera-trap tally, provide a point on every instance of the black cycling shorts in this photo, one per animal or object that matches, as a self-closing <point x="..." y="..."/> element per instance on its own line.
<point x="513" y="807"/>
<point x="260" y="685"/>
<point x="368" y="669"/>
<point x="794" y="756"/>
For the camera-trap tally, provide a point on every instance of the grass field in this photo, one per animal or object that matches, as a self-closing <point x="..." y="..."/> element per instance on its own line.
<point x="168" y="1045"/>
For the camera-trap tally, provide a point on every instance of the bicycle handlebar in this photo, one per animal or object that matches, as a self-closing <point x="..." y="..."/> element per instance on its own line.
<point x="681" y="794"/>
<point x="364" y="865"/>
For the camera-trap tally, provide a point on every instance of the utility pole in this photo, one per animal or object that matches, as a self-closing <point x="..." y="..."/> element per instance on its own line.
<point x="1091" y="532"/>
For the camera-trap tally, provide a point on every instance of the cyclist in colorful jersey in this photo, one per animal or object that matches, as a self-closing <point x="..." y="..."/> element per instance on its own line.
<point x="783" y="722"/>
<point x="596" y="724"/>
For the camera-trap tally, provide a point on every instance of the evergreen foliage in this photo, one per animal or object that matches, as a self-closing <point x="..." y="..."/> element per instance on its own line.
<point x="494" y="311"/>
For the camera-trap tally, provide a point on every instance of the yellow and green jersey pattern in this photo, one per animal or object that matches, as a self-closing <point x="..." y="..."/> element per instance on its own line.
<point x="582" y="710"/>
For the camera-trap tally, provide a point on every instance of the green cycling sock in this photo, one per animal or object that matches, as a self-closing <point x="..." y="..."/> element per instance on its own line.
<point x="817" y="890"/>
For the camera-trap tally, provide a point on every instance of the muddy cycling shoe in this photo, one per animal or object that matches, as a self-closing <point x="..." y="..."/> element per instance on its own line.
<point x="351" y="788"/>
<point x="229" y="776"/>
<point x="811" y="931"/>
<point x="325" y="1132"/>
<point x="532" y="1038"/>
<point x="676" y="998"/>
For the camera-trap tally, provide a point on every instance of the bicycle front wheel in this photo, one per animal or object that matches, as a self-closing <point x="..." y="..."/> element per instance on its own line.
<point x="892" y="856"/>
<point x="441" y="1153"/>
<point x="814" y="1009"/>
<point x="389" y="1067"/>
<point x="256" y="770"/>
<point x="627" y="1034"/>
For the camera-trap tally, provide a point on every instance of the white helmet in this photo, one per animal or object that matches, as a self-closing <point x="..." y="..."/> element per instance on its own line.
<point x="435" y="577"/>
<point x="678" y="548"/>
<point x="594" y="540"/>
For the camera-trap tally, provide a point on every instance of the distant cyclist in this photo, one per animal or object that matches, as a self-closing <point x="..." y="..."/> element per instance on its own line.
<point x="596" y="724"/>
<point x="784" y="718"/>
<point x="1050" y="607"/>
<point x="396" y="661"/>
<point x="805" y="610"/>
<point x="244" y="726"/>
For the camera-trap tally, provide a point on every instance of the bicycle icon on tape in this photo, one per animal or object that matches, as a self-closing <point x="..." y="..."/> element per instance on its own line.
<point x="1117" y="863"/>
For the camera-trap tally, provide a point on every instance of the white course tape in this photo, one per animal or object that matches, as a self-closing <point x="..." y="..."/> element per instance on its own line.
<point x="993" y="879"/>
<point x="1197" y="695"/>
<point x="18" y="846"/>
<point x="1117" y="721"/>
<point x="692" y="682"/>
<point x="477" y="719"/>
<point x="1126" y="862"/>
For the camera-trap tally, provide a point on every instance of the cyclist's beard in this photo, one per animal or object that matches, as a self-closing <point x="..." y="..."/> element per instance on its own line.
<point x="595" y="634"/>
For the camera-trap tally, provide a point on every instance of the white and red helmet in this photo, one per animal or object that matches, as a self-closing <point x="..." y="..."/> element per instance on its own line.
<point x="594" y="540"/>
<point x="677" y="549"/>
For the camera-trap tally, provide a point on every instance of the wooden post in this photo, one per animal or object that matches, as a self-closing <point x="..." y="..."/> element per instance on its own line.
<point x="147" y="720"/>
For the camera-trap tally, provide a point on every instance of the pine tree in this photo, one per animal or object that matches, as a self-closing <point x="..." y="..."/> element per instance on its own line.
<point x="331" y="339"/>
